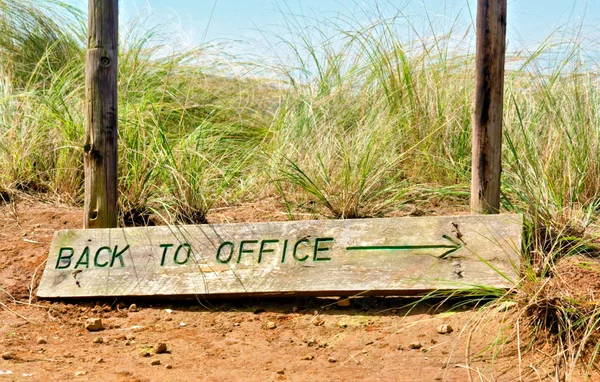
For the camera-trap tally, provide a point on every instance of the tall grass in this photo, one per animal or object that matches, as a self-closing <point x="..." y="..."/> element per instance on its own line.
<point x="186" y="125"/>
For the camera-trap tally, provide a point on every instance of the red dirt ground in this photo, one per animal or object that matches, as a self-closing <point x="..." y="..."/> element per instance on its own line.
<point x="294" y="339"/>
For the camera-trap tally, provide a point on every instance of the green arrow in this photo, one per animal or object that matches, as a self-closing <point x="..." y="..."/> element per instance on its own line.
<point x="451" y="248"/>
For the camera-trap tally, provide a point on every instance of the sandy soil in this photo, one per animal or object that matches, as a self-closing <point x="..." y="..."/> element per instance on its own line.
<point x="295" y="339"/>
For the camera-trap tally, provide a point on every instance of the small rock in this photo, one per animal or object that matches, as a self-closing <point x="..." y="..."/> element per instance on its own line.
<point x="332" y="359"/>
<point x="160" y="348"/>
<point x="133" y="308"/>
<point x="444" y="329"/>
<point x="100" y="360"/>
<point x="271" y="325"/>
<point x="415" y="345"/>
<point x="155" y="362"/>
<point x="236" y="324"/>
<point x="41" y="341"/>
<point x="168" y="366"/>
<point x="169" y="311"/>
<point x="308" y="357"/>
<point x="400" y="347"/>
<point x="94" y="324"/>
<point x="130" y="337"/>
<point x="181" y="324"/>
<point x="9" y="355"/>
<point x="80" y="373"/>
<point x="68" y="355"/>
<point x="127" y="343"/>
<point x="98" y="340"/>
<point x="318" y="321"/>
<point x="280" y="372"/>
<point x="344" y="302"/>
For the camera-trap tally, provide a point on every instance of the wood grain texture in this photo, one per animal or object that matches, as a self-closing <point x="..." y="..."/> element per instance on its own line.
<point x="487" y="117"/>
<point x="100" y="142"/>
<point x="400" y="256"/>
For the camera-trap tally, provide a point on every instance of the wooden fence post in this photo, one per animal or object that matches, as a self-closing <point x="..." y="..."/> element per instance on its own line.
<point x="100" y="145"/>
<point x="487" y="118"/>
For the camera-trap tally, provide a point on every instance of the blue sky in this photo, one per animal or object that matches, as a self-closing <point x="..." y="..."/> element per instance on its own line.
<point x="529" y="21"/>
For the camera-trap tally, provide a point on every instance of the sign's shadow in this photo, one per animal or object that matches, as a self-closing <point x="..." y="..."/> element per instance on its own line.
<point x="314" y="306"/>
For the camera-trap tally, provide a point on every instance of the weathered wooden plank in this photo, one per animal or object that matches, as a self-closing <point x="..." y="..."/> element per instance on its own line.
<point x="487" y="117"/>
<point x="100" y="143"/>
<point x="396" y="256"/>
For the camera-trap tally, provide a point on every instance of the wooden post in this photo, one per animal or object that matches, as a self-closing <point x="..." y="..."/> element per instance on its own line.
<point x="100" y="146"/>
<point x="487" y="119"/>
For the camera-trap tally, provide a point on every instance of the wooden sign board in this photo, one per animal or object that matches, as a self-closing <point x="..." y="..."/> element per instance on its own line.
<point x="403" y="256"/>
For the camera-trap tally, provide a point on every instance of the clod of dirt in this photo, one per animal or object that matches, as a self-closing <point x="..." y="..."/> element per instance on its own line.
<point x="133" y="308"/>
<point x="155" y="362"/>
<point x="41" y="341"/>
<point x="344" y="302"/>
<point x="9" y="355"/>
<point x="168" y="366"/>
<point x="130" y="337"/>
<point x="415" y="345"/>
<point x="160" y="348"/>
<point x="98" y="340"/>
<point x="122" y="314"/>
<point x="80" y="373"/>
<point x="94" y="324"/>
<point x="308" y="357"/>
<point x="310" y="342"/>
<point x="280" y="372"/>
<point x="332" y="359"/>
<point x="444" y="329"/>
<point x="271" y="325"/>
